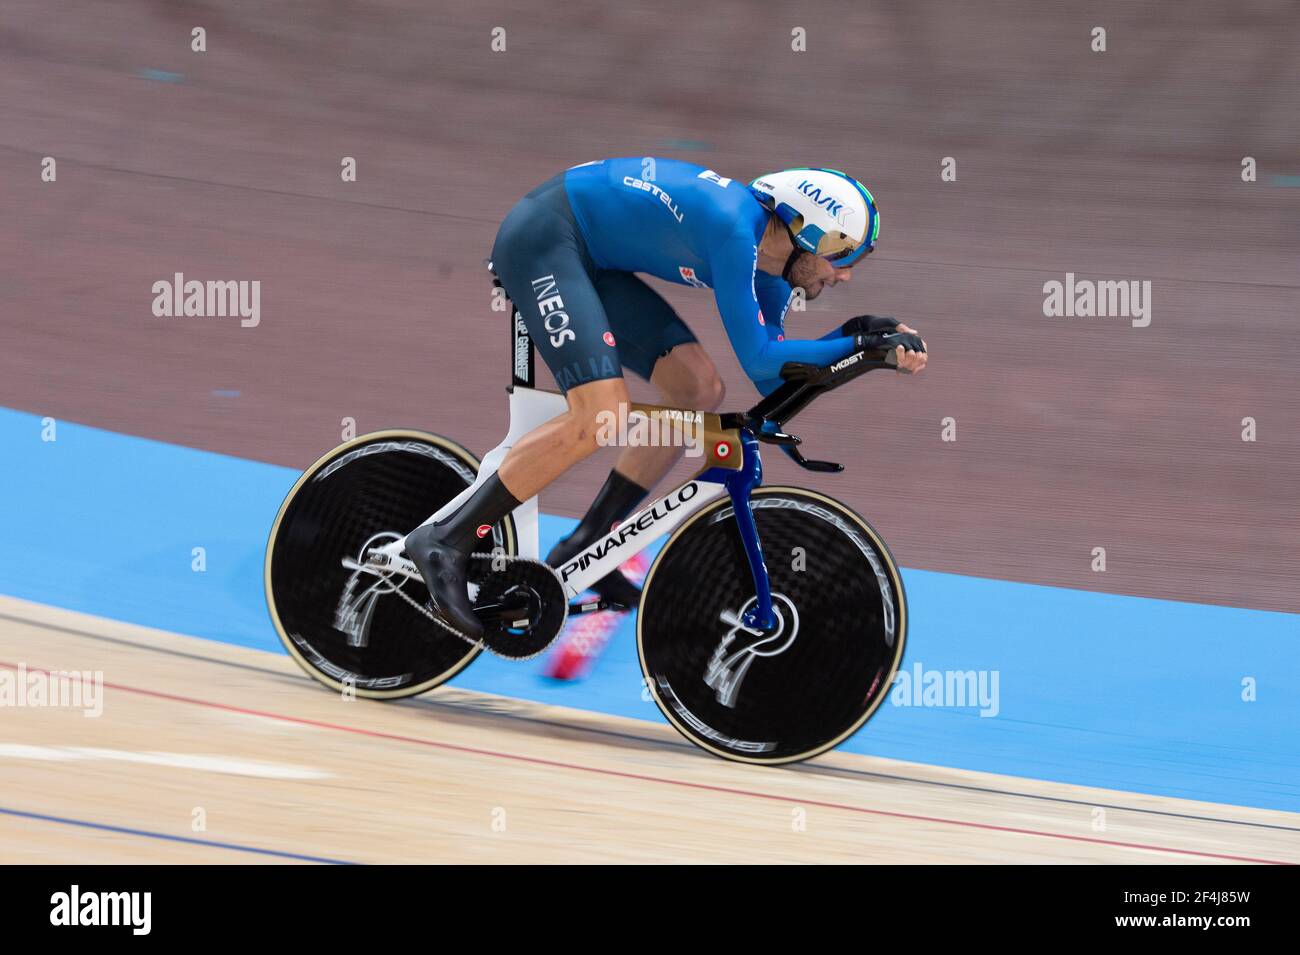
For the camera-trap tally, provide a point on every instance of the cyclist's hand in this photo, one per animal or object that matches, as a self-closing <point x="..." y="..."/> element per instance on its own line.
<point x="867" y="324"/>
<point x="912" y="362"/>
<point x="908" y="347"/>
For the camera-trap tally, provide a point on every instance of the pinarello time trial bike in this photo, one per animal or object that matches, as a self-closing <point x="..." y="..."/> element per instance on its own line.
<point x="770" y="626"/>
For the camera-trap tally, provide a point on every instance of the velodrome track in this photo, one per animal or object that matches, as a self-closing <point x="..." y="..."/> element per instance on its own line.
<point x="284" y="771"/>
<point x="1131" y="705"/>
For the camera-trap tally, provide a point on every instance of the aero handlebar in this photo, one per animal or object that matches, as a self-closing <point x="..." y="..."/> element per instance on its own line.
<point x="801" y="384"/>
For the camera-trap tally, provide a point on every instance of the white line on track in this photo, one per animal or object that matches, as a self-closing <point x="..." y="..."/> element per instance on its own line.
<point x="203" y="763"/>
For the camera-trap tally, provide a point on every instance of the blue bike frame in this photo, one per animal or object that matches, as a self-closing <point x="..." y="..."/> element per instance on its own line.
<point x="739" y="484"/>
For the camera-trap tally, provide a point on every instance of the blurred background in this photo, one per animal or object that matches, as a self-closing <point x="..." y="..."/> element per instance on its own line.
<point x="1072" y="433"/>
<point x="177" y="438"/>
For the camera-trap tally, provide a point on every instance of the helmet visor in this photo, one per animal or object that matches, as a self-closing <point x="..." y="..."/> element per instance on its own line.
<point x="846" y="256"/>
<point x="842" y="250"/>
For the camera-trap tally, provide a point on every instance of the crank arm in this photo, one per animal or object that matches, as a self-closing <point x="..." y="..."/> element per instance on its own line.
<point x="396" y="565"/>
<point x="594" y="606"/>
<point x="503" y="614"/>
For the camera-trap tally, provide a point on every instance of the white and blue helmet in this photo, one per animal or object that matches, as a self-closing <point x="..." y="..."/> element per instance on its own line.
<point x="828" y="213"/>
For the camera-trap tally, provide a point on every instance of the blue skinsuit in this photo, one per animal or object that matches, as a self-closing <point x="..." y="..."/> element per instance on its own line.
<point x="566" y="253"/>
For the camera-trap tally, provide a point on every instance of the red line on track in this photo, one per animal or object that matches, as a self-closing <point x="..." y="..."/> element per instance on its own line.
<point x="664" y="780"/>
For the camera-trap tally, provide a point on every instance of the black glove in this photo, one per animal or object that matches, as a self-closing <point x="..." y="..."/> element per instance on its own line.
<point x="889" y="341"/>
<point x="866" y="324"/>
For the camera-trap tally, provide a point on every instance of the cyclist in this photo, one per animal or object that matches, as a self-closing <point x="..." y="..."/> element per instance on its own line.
<point x="566" y="254"/>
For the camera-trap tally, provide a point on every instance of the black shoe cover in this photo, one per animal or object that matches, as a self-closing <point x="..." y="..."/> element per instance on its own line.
<point x="443" y="569"/>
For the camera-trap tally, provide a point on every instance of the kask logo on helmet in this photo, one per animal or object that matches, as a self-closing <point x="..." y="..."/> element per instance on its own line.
<point x="814" y="192"/>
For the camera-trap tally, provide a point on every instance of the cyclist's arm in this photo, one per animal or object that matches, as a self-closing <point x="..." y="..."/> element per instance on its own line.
<point x="761" y="353"/>
<point x="867" y="324"/>
<point x="775" y="296"/>
<point x="834" y="333"/>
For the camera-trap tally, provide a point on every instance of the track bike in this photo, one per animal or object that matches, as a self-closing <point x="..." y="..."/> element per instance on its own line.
<point x="770" y="625"/>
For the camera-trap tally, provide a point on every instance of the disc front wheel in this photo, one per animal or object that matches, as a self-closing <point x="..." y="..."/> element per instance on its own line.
<point x="818" y="676"/>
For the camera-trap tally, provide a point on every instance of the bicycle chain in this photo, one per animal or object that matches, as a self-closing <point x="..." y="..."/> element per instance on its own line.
<point x="425" y="609"/>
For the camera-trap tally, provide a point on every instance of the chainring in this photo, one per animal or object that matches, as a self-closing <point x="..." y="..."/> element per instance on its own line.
<point x="535" y="586"/>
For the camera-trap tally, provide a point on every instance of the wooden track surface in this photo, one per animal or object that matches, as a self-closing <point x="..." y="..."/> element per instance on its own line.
<point x="191" y="726"/>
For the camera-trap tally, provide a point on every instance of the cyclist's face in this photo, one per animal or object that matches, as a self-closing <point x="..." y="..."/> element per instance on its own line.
<point x="812" y="273"/>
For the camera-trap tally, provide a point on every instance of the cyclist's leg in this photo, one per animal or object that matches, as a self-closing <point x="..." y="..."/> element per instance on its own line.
<point x="687" y="378"/>
<point x="541" y="262"/>
<point x="654" y="343"/>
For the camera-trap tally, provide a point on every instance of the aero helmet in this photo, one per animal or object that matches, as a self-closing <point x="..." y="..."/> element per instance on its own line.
<point x="828" y="213"/>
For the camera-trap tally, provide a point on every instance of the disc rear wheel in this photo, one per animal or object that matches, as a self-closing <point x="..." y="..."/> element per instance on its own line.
<point x="350" y="628"/>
